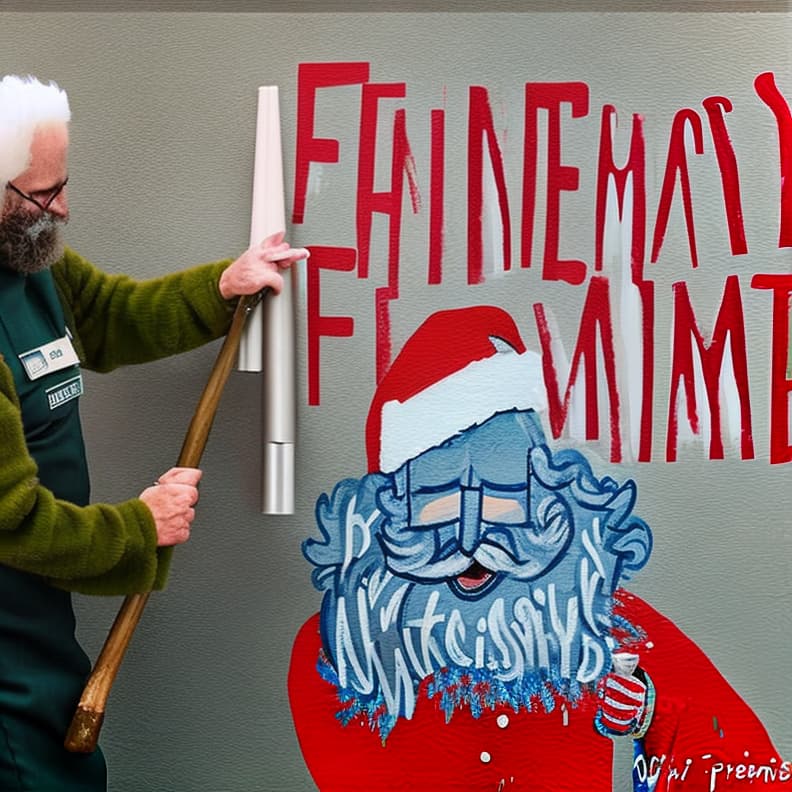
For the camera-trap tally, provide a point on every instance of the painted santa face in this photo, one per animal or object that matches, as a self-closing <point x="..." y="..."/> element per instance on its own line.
<point x="473" y="512"/>
<point x="489" y="557"/>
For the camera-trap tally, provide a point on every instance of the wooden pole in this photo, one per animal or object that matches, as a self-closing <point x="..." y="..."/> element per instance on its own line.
<point x="83" y="733"/>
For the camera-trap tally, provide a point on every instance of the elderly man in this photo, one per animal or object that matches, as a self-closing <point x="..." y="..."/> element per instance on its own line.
<point x="58" y="313"/>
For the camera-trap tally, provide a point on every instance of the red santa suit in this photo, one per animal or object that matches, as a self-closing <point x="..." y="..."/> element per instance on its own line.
<point x="703" y="737"/>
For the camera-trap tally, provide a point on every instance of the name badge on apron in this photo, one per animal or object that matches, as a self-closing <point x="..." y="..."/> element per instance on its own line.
<point x="54" y="356"/>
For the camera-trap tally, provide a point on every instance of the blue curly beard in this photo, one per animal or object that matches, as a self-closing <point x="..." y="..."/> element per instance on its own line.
<point x="522" y="615"/>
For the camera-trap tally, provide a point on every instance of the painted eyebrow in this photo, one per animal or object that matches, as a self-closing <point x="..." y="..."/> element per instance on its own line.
<point x="436" y="489"/>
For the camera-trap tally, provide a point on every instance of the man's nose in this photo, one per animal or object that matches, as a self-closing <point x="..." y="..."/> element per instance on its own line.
<point x="60" y="205"/>
<point x="470" y="520"/>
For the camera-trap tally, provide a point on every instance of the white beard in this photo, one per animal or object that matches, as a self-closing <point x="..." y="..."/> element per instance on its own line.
<point x="385" y="634"/>
<point x="30" y="245"/>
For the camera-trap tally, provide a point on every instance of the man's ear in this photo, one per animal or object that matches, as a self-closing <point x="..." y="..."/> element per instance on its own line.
<point x="627" y="537"/>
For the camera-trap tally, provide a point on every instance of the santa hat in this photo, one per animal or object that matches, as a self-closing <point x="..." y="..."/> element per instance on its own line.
<point x="457" y="370"/>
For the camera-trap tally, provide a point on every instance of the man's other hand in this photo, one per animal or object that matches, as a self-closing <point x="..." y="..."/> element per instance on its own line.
<point x="259" y="267"/>
<point x="171" y="501"/>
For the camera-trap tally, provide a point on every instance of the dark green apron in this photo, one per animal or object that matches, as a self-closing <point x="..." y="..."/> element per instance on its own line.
<point x="42" y="667"/>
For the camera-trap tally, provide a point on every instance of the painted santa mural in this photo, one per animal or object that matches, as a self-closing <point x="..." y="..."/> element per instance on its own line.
<point x="476" y="631"/>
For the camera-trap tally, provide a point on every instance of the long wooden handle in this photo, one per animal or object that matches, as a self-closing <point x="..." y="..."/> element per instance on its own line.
<point x="83" y="733"/>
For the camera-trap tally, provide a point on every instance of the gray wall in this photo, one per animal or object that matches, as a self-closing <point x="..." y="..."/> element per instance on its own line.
<point x="164" y="111"/>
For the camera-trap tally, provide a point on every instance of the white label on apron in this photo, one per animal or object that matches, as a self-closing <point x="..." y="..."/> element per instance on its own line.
<point x="65" y="392"/>
<point x="58" y="354"/>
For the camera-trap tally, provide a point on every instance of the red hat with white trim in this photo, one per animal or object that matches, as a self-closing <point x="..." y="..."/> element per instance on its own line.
<point x="457" y="370"/>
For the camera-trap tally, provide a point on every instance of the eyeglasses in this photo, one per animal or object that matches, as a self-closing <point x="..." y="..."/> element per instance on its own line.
<point x="41" y="198"/>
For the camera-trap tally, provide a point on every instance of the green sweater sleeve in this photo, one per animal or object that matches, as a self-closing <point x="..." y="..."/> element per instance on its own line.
<point x="101" y="548"/>
<point x="98" y="548"/>
<point x="119" y="321"/>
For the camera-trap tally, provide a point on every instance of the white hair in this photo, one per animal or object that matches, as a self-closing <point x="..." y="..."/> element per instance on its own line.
<point x="25" y="105"/>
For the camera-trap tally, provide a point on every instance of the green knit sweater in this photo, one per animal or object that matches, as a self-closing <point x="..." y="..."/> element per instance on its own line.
<point x="101" y="548"/>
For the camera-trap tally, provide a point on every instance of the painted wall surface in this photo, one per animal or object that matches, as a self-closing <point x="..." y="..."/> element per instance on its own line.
<point x="160" y="177"/>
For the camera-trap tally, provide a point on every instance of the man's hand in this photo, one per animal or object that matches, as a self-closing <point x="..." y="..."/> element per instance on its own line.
<point x="259" y="266"/>
<point x="171" y="502"/>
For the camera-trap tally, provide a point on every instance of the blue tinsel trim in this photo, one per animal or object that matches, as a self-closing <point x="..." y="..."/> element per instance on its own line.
<point x="458" y="688"/>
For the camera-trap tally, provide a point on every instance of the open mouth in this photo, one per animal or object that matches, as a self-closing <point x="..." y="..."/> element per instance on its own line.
<point x="474" y="579"/>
